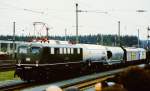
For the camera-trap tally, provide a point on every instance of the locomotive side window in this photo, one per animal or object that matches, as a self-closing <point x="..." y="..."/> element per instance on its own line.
<point x="71" y="50"/>
<point x="23" y="49"/>
<point x="61" y="50"/>
<point x="64" y="50"/>
<point x="78" y="51"/>
<point x="68" y="50"/>
<point x="52" y="51"/>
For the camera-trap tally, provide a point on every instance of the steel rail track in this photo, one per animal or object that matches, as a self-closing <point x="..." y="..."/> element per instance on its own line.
<point x="90" y="83"/>
<point x="80" y="82"/>
<point x="6" y="67"/>
<point x="17" y="86"/>
<point x="9" y="85"/>
<point x="87" y="84"/>
<point x="62" y="84"/>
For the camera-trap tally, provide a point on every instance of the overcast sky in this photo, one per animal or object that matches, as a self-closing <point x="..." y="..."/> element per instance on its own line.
<point x="60" y="14"/>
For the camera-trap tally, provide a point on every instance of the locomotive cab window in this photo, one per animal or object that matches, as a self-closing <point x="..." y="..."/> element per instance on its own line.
<point x="35" y="50"/>
<point x="23" y="49"/>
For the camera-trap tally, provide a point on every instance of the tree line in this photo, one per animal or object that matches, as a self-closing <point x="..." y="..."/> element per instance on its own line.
<point x="111" y="40"/>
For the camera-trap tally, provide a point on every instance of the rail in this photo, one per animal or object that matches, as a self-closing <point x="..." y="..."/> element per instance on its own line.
<point x="89" y="83"/>
<point x="8" y="85"/>
<point x="80" y="82"/>
<point x="6" y="67"/>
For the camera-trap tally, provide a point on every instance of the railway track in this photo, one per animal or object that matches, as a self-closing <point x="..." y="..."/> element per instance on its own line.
<point x="19" y="86"/>
<point x="80" y="82"/>
<point x="6" y="67"/>
<point x="90" y="83"/>
<point x="10" y="85"/>
<point x="85" y="86"/>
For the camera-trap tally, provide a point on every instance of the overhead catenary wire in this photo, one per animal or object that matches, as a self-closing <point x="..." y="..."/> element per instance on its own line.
<point x="60" y="18"/>
<point x="7" y="6"/>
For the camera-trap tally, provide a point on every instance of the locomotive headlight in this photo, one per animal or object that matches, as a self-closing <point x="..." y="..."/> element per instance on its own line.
<point x="28" y="59"/>
<point x="37" y="63"/>
<point x="19" y="62"/>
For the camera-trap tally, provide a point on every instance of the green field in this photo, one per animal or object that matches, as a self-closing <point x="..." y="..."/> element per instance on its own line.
<point x="8" y="75"/>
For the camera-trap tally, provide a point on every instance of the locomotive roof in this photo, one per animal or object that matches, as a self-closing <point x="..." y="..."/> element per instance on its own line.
<point x="88" y="46"/>
<point x="55" y="45"/>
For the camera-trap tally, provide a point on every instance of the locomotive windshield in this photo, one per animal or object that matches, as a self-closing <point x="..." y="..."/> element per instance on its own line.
<point x="23" y="49"/>
<point x="35" y="50"/>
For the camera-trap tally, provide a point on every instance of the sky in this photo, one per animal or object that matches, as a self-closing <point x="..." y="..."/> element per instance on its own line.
<point x="59" y="15"/>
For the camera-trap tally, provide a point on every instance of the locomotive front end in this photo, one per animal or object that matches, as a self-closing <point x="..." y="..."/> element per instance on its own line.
<point x="27" y="60"/>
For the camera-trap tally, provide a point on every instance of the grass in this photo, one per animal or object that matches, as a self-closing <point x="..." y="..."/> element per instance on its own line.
<point x="8" y="75"/>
